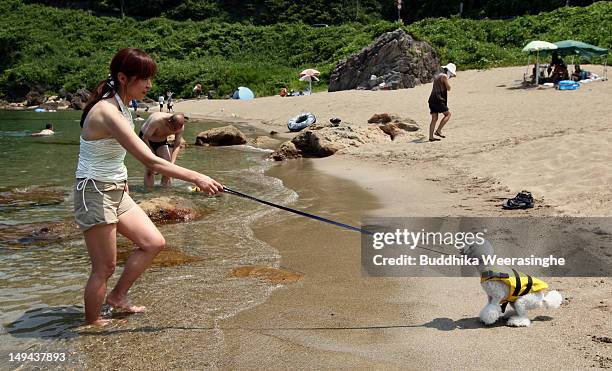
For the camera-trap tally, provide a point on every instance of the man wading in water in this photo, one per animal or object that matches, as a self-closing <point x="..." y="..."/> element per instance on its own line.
<point x="154" y="133"/>
<point x="438" y="100"/>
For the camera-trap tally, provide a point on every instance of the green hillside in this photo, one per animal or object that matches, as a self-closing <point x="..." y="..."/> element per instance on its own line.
<point x="72" y="49"/>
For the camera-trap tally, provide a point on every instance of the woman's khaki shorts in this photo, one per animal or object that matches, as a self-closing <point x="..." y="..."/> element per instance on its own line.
<point x="103" y="207"/>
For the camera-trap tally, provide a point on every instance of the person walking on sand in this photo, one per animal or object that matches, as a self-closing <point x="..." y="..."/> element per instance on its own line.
<point x="170" y="103"/>
<point x="102" y="203"/>
<point x="161" y="103"/>
<point x="438" y="102"/>
<point x="154" y="133"/>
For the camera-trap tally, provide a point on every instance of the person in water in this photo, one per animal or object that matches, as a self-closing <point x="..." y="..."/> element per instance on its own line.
<point x="154" y="133"/>
<point x="102" y="204"/>
<point x="48" y="130"/>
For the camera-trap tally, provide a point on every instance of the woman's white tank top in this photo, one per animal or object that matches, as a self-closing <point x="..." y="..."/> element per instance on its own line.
<point x="102" y="159"/>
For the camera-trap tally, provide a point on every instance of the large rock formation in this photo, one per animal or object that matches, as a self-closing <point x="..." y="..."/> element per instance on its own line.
<point x="394" y="61"/>
<point x="224" y="136"/>
<point x="322" y="140"/>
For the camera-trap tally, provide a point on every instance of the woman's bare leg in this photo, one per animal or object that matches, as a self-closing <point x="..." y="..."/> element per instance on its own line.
<point x="447" y="116"/>
<point x="138" y="228"/>
<point x="101" y="241"/>
<point x="432" y="127"/>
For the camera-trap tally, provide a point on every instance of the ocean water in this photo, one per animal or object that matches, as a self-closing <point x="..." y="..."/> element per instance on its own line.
<point x="42" y="280"/>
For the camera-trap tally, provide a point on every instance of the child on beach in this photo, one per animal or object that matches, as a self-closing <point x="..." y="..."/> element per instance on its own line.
<point x="102" y="203"/>
<point x="438" y="100"/>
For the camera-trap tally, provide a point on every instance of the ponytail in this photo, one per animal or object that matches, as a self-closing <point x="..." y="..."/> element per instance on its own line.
<point x="105" y="89"/>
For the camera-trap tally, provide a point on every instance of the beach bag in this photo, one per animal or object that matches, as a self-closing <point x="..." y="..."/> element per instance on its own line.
<point x="568" y="85"/>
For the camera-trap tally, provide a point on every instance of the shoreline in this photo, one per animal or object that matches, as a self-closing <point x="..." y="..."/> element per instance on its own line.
<point x="460" y="176"/>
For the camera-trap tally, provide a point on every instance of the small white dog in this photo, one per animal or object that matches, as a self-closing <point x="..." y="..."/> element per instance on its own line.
<point x="504" y="285"/>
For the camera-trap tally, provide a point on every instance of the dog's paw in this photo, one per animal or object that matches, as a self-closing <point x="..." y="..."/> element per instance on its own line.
<point x="517" y="321"/>
<point x="489" y="314"/>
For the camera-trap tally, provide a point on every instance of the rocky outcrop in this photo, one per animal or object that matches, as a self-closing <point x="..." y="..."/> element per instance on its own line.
<point x="263" y="142"/>
<point x="322" y="140"/>
<point x="394" y="61"/>
<point x="79" y="99"/>
<point x="168" y="210"/>
<point x="286" y="151"/>
<point x="224" y="136"/>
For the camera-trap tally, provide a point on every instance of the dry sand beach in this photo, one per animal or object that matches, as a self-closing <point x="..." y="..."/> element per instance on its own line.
<point x="500" y="140"/>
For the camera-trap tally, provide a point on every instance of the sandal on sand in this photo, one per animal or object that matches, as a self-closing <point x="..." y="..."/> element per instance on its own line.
<point x="523" y="200"/>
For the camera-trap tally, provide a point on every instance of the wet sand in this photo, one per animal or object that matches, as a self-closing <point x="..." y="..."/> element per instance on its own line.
<point x="335" y="318"/>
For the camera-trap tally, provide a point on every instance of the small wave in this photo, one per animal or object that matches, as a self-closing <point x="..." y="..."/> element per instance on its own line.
<point x="20" y="133"/>
<point x="250" y="148"/>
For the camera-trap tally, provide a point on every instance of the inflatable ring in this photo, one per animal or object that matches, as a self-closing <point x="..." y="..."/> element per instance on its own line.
<point x="301" y="121"/>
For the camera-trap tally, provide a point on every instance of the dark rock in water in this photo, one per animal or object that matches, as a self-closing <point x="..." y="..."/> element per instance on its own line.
<point x="168" y="257"/>
<point x="167" y="210"/>
<point x="286" y="151"/>
<point x="225" y="136"/>
<point x="38" y="234"/>
<point x="394" y="61"/>
<point x="263" y="142"/>
<point x="269" y="274"/>
<point x="30" y="196"/>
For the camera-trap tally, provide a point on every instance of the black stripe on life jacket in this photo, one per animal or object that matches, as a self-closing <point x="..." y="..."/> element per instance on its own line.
<point x="528" y="287"/>
<point x="517" y="289"/>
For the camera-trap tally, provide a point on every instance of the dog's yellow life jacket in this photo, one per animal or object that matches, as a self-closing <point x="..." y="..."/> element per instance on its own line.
<point x="520" y="284"/>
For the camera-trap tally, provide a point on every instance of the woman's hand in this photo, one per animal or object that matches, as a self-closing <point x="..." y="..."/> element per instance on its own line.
<point x="208" y="185"/>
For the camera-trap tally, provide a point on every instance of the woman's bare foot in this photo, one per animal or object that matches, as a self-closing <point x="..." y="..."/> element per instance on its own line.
<point x="440" y="135"/>
<point x="434" y="139"/>
<point x="124" y="304"/>
<point x="95" y="324"/>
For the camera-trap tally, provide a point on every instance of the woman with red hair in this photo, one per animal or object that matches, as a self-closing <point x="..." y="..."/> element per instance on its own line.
<point x="103" y="206"/>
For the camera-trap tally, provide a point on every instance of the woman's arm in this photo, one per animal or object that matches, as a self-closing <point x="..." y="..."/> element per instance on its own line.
<point x="446" y="83"/>
<point x="122" y="132"/>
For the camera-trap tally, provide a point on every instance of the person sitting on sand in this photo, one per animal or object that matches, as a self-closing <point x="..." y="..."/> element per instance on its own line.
<point x="555" y="60"/>
<point x="154" y="133"/>
<point x="438" y="100"/>
<point x="102" y="204"/>
<point x="48" y="130"/>
<point x="559" y="73"/>
<point x="580" y="74"/>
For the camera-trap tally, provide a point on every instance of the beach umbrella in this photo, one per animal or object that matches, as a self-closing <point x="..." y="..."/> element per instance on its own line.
<point x="309" y="78"/>
<point x="310" y="72"/>
<point x="538" y="46"/>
